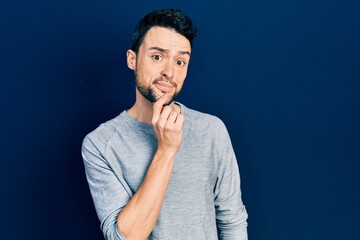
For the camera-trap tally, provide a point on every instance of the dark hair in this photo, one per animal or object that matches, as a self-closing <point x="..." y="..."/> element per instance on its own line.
<point x="168" y="18"/>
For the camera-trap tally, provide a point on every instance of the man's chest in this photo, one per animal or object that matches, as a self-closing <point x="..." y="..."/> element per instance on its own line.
<point x="195" y="165"/>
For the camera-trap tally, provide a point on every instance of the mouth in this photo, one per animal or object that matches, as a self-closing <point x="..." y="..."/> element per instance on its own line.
<point x="164" y="85"/>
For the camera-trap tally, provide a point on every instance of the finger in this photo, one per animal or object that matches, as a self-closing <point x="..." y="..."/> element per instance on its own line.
<point x="179" y="123"/>
<point x="157" y="108"/>
<point x="172" y="117"/>
<point x="164" y="116"/>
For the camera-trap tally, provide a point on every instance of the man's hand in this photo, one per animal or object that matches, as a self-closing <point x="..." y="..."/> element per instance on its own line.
<point x="168" y="125"/>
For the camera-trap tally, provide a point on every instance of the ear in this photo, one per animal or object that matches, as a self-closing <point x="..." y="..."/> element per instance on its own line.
<point x="131" y="59"/>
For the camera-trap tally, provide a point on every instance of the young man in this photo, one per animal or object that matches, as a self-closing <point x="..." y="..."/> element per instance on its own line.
<point x="161" y="170"/>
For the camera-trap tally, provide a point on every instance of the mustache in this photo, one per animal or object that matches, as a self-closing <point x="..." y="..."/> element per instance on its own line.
<point x="164" y="79"/>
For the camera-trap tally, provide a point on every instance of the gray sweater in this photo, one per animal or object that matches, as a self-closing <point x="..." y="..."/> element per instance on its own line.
<point x="203" y="194"/>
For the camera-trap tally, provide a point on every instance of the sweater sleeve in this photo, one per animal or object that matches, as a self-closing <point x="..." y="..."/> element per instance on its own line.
<point x="231" y="215"/>
<point x="108" y="192"/>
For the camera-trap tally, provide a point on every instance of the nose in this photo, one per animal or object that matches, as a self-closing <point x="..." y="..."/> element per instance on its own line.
<point x="168" y="70"/>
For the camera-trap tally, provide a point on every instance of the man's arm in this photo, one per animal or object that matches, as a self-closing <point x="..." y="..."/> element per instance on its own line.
<point x="138" y="217"/>
<point x="231" y="214"/>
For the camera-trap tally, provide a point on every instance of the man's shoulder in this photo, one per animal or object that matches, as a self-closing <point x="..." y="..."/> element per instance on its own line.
<point x="202" y="119"/>
<point x="196" y="115"/>
<point x="101" y="135"/>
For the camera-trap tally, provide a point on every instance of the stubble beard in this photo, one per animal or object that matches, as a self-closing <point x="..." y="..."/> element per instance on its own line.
<point x="150" y="93"/>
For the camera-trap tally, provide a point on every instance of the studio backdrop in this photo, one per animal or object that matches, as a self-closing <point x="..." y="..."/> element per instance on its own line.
<point x="283" y="76"/>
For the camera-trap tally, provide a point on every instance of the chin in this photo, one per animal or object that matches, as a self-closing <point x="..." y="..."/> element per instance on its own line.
<point x="161" y="93"/>
<point x="171" y="99"/>
<point x="169" y="102"/>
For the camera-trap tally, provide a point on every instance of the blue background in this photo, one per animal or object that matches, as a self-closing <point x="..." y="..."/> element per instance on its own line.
<point x="283" y="75"/>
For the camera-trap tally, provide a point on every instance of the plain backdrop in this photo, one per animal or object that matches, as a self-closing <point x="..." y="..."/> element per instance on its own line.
<point x="283" y="75"/>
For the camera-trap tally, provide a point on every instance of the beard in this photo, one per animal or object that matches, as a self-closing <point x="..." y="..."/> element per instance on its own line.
<point x="150" y="93"/>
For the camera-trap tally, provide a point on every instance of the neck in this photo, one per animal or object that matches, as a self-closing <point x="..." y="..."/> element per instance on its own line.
<point x="142" y="110"/>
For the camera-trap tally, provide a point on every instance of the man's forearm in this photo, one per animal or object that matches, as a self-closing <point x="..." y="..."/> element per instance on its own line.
<point x="138" y="217"/>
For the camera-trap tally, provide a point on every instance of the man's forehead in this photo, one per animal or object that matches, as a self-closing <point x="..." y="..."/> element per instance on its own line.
<point x="166" y="38"/>
<point x="168" y="50"/>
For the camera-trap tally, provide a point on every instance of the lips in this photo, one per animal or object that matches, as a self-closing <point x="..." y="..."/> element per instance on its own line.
<point x="164" y="86"/>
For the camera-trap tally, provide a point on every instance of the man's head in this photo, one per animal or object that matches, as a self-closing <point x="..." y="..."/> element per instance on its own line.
<point x="167" y="18"/>
<point x="161" y="52"/>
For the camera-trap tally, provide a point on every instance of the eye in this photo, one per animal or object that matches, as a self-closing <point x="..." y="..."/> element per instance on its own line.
<point x="157" y="57"/>
<point x="180" y="62"/>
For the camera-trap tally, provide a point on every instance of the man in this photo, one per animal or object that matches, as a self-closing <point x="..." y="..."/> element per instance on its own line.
<point x="161" y="170"/>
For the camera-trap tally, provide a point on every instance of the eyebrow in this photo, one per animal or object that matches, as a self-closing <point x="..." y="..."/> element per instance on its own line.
<point x="167" y="50"/>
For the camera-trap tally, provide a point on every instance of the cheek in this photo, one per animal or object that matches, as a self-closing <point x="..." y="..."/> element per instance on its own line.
<point x="180" y="82"/>
<point x="150" y="70"/>
<point x="146" y="71"/>
<point x="182" y="76"/>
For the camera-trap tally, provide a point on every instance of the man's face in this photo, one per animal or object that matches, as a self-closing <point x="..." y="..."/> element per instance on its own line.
<point x="161" y="63"/>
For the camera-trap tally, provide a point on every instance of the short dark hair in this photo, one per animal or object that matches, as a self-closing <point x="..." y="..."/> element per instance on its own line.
<point x="168" y="18"/>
